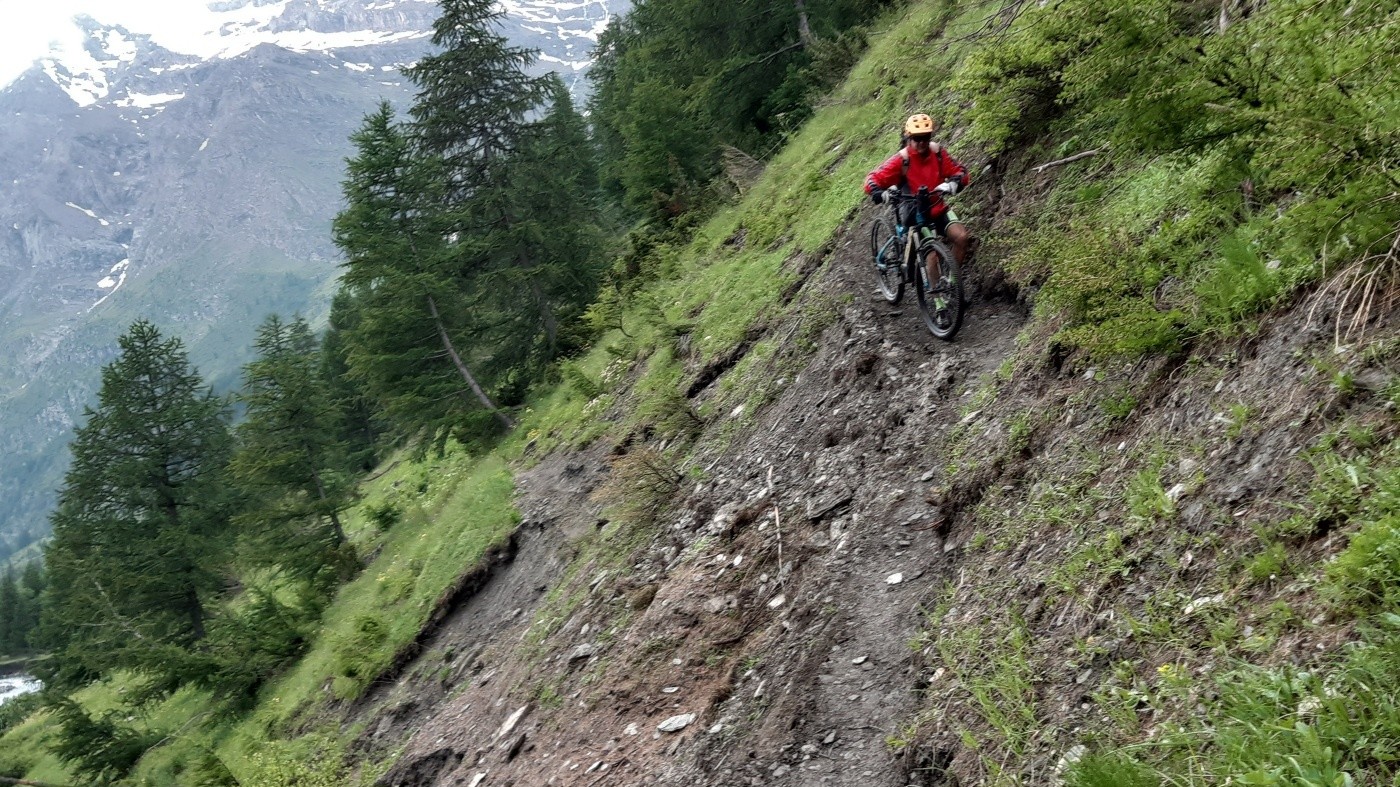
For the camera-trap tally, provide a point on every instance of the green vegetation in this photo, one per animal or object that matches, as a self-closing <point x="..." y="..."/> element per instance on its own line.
<point x="683" y="87"/>
<point x="20" y="591"/>
<point x="1206" y="202"/>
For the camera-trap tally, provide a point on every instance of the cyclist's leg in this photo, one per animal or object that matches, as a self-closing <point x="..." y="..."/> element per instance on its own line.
<point x="939" y="224"/>
<point x="956" y="233"/>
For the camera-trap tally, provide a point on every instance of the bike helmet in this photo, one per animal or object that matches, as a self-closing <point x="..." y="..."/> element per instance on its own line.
<point x="919" y="124"/>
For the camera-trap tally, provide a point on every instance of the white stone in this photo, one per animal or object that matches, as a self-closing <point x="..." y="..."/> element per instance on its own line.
<point x="676" y="723"/>
<point x="512" y="721"/>
<point x="1202" y="602"/>
<point x="1075" y="754"/>
<point x="894" y="579"/>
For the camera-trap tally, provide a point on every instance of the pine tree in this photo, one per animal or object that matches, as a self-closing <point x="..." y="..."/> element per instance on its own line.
<point x="545" y="245"/>
<point x="477" y="214"/>
<point x="140" y="533"/>
<point x="358" y="427"/>
<point x="11" y="615"/>
<point x="473" y="96"/>
<point x="288" y="459"/>
<point x="32" y="582"/>
<point x="409" y="344"/>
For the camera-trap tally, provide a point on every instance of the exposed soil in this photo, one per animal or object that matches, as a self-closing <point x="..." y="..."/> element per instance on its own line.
<point x="771" y="617"/>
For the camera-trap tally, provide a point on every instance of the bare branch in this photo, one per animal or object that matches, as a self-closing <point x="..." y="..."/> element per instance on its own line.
<point x="1075" y="157"/>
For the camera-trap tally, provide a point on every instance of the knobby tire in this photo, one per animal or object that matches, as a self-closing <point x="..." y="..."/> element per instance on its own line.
<point x="942" y="308"/>
<point x="890" y="278"/>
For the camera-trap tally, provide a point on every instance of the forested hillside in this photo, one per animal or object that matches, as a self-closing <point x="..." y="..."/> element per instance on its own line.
<point x="613" y="468"/>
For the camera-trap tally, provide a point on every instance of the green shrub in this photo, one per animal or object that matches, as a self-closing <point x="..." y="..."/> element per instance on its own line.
<point x="1110" y="770"/>
<point x="314" y="761"/>
<point x="357" y="653"/>
<point x="384" y="513"/>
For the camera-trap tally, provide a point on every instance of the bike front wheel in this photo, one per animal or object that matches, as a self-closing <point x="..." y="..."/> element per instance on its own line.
<point x="941" y="298"/>
<point x="884" y="255"/>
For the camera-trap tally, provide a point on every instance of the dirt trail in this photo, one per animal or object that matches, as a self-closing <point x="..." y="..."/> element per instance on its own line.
<point x="786" y="635"/>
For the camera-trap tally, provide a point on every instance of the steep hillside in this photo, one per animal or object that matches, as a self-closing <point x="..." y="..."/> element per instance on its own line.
<point x="1137" y="537"/>
<point x="1135" y="526"/>
<point x="919" y="563"/>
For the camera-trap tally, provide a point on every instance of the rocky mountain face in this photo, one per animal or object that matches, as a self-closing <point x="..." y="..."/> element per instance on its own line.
<point x="196" y="190"/>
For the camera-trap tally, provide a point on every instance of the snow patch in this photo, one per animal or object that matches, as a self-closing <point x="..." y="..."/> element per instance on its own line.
<point x="109" y="283"/>
<point x="574" y="65"/>
<point x="116" y="45"/>
<point x="148" y="101"/>
<point x="101" y="220"/>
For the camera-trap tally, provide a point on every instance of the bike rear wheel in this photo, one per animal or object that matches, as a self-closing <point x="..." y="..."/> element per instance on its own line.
<point x="940" y="301"/>
<point x="884" y="255"/>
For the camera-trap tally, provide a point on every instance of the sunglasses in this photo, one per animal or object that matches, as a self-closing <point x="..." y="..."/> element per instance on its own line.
<point x="920" y="137"/>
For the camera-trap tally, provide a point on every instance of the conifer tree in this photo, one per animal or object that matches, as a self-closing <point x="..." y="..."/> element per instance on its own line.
<point x="677" y="81"/>
<point x="481" y="212"/>
<point x="357" y="425"/>
<point x="473" y="96"/>
<point x="407" y="346"/>
<point x="546" y="242"/>
<point x="11" y="615"/>
<point x="140" y="533"/>
<point x="288" y="459"/>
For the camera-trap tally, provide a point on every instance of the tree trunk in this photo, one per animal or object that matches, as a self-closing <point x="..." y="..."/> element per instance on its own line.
<point x="551" y="323"/>
<point x="804" y="30"/>
<point x="462" y="368"/>
<point x="195" y="609"/>
<point x="192" y="606"/>
<point x="335" y="518"/>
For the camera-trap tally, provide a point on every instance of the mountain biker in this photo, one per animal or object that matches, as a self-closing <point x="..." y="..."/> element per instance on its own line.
<point x="922" y="162"/>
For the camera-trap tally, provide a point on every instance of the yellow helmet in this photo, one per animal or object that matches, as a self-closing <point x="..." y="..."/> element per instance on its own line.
<point x="919" y="124"/>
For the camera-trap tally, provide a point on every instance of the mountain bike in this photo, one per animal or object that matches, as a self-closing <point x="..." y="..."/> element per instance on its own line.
<point x="902" y="256"/>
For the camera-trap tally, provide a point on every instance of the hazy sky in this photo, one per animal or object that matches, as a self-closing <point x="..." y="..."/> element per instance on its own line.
<point x="32" y="27"/>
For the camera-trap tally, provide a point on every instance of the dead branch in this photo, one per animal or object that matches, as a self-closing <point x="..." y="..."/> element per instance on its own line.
<point x="995" y="24"/>
<point x="1075" y="157"/>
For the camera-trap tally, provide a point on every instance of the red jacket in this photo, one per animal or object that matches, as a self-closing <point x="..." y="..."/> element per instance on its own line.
<point x="908" y="170"/>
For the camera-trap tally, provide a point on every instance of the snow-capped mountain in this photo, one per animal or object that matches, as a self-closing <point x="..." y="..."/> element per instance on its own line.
<point x="194" y="187"/>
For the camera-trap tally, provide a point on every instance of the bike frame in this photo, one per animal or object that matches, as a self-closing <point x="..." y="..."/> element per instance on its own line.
<point x="920" y="232"/>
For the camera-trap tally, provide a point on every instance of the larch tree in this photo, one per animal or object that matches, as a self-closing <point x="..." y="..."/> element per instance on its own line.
<point x="546" y="240"/>
<point x="288" y="460"/>
<point x="140" y="534"/>
<point x="407" y="345"/>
